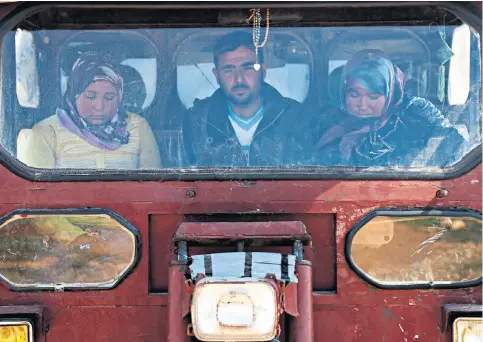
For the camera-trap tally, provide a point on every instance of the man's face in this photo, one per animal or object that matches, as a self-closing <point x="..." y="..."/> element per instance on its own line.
<point x="237" y="77"/>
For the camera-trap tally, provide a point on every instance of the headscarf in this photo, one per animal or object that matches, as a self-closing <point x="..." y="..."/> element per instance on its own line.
<point x="334" y="81"/>
<point x="372" y="70"/>
<point x="89" y="68"/>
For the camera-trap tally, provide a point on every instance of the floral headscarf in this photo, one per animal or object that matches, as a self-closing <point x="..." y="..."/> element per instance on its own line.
<point x="372" y="70"/>
<point x="91" y="67"/>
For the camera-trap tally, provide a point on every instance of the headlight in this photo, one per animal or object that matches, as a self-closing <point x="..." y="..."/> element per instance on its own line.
<point x="468" y="329"/>
<point x="235" y="310"/>
<point x="16" y="331"/>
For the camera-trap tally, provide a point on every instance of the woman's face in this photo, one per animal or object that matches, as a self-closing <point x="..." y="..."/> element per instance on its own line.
<point x="361" y="102"/>
<point x="98" y="103"/>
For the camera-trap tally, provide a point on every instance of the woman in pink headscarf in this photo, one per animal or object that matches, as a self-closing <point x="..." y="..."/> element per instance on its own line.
<point x="91" y="127"/>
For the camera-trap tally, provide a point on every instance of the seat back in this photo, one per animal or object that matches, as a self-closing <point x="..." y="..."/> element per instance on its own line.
<point x="22" y="144"/>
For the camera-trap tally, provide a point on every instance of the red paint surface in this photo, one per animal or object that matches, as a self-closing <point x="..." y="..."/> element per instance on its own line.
<point x="301" y="328"/>
<point x="108" y="323"/>
<point x="290" y="298"/>
<point x="257" y="230"/>
<point x="178" y="309"/>
<point x="351" y="311"/>
<point x="320" y="226"/>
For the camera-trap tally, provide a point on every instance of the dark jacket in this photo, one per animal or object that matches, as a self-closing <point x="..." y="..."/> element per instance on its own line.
<point x="210" y="139"/>
<point x="407" y="139"/>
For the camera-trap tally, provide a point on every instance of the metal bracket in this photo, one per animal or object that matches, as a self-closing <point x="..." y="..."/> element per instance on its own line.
<point x="298" y="250"/>
<point x="182" y="251"/>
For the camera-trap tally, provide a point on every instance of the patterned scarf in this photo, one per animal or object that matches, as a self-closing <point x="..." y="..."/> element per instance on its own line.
<point x="89" y="68"/>
<point x="361" y="70"/>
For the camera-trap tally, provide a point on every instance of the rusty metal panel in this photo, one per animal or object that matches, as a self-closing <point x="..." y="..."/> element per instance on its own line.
<point x="290" y="300"/>
<point x="351" y="310"/>
<point x="328" y="209"/>
<point x="200" y="232"/>
<point x="321" y="228"/>
<point x="350" y="323"/>
<point x="109" y="323"/>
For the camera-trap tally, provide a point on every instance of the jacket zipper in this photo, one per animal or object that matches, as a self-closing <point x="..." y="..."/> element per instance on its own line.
<point x="247" y="155"/>
<point x="264" y="129"/>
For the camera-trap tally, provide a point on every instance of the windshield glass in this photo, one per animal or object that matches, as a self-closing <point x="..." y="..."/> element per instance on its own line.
<point x="256" y="89"/>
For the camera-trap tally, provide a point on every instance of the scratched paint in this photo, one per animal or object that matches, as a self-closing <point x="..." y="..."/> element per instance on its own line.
<point x="346" y="312"/>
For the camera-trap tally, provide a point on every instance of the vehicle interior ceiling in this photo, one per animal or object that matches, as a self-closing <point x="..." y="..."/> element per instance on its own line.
<point x="132" y="36"/>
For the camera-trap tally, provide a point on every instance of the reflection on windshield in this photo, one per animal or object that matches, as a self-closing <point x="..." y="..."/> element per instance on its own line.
<point x="419" y="249"/>
<point x="372" y="97"/>
<point x="83" y="250"/>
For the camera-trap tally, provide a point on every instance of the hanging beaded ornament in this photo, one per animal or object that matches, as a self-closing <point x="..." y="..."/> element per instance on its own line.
<point x="256" y="33"/>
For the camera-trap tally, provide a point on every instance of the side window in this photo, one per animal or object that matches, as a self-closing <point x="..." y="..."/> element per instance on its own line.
<point x="140" y="82"/>
<point x="133" y="52"/>
<point x="406" y="51"/>
<point x="51" y="64"/>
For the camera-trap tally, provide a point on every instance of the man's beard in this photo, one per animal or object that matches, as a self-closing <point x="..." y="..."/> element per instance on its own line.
<point x="241" y="101"/>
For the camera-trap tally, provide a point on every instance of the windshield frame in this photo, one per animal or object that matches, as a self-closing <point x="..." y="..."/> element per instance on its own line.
<point x="470" y="161"/>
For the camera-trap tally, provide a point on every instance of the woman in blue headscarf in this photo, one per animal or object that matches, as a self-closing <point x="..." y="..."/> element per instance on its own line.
<point x="91" y="127"/>
<point x="377" y="124"/>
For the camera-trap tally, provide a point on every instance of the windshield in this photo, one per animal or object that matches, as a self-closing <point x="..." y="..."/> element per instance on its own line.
<point x="257" y="89"/>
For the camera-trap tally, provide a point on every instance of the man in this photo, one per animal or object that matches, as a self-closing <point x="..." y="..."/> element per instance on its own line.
<point x="246" y="122"/>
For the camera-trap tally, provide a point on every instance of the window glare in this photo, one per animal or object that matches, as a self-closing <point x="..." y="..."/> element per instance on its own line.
<point x="459" y="72"/>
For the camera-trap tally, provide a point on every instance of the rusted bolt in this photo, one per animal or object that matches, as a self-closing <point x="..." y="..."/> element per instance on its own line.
<point x="191" y="193"/>
<point x="442" y="193"/>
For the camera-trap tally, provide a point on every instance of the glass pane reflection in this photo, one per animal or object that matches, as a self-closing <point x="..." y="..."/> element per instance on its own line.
<point x="419" y="249"/>
<point x="71" y="250"/>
